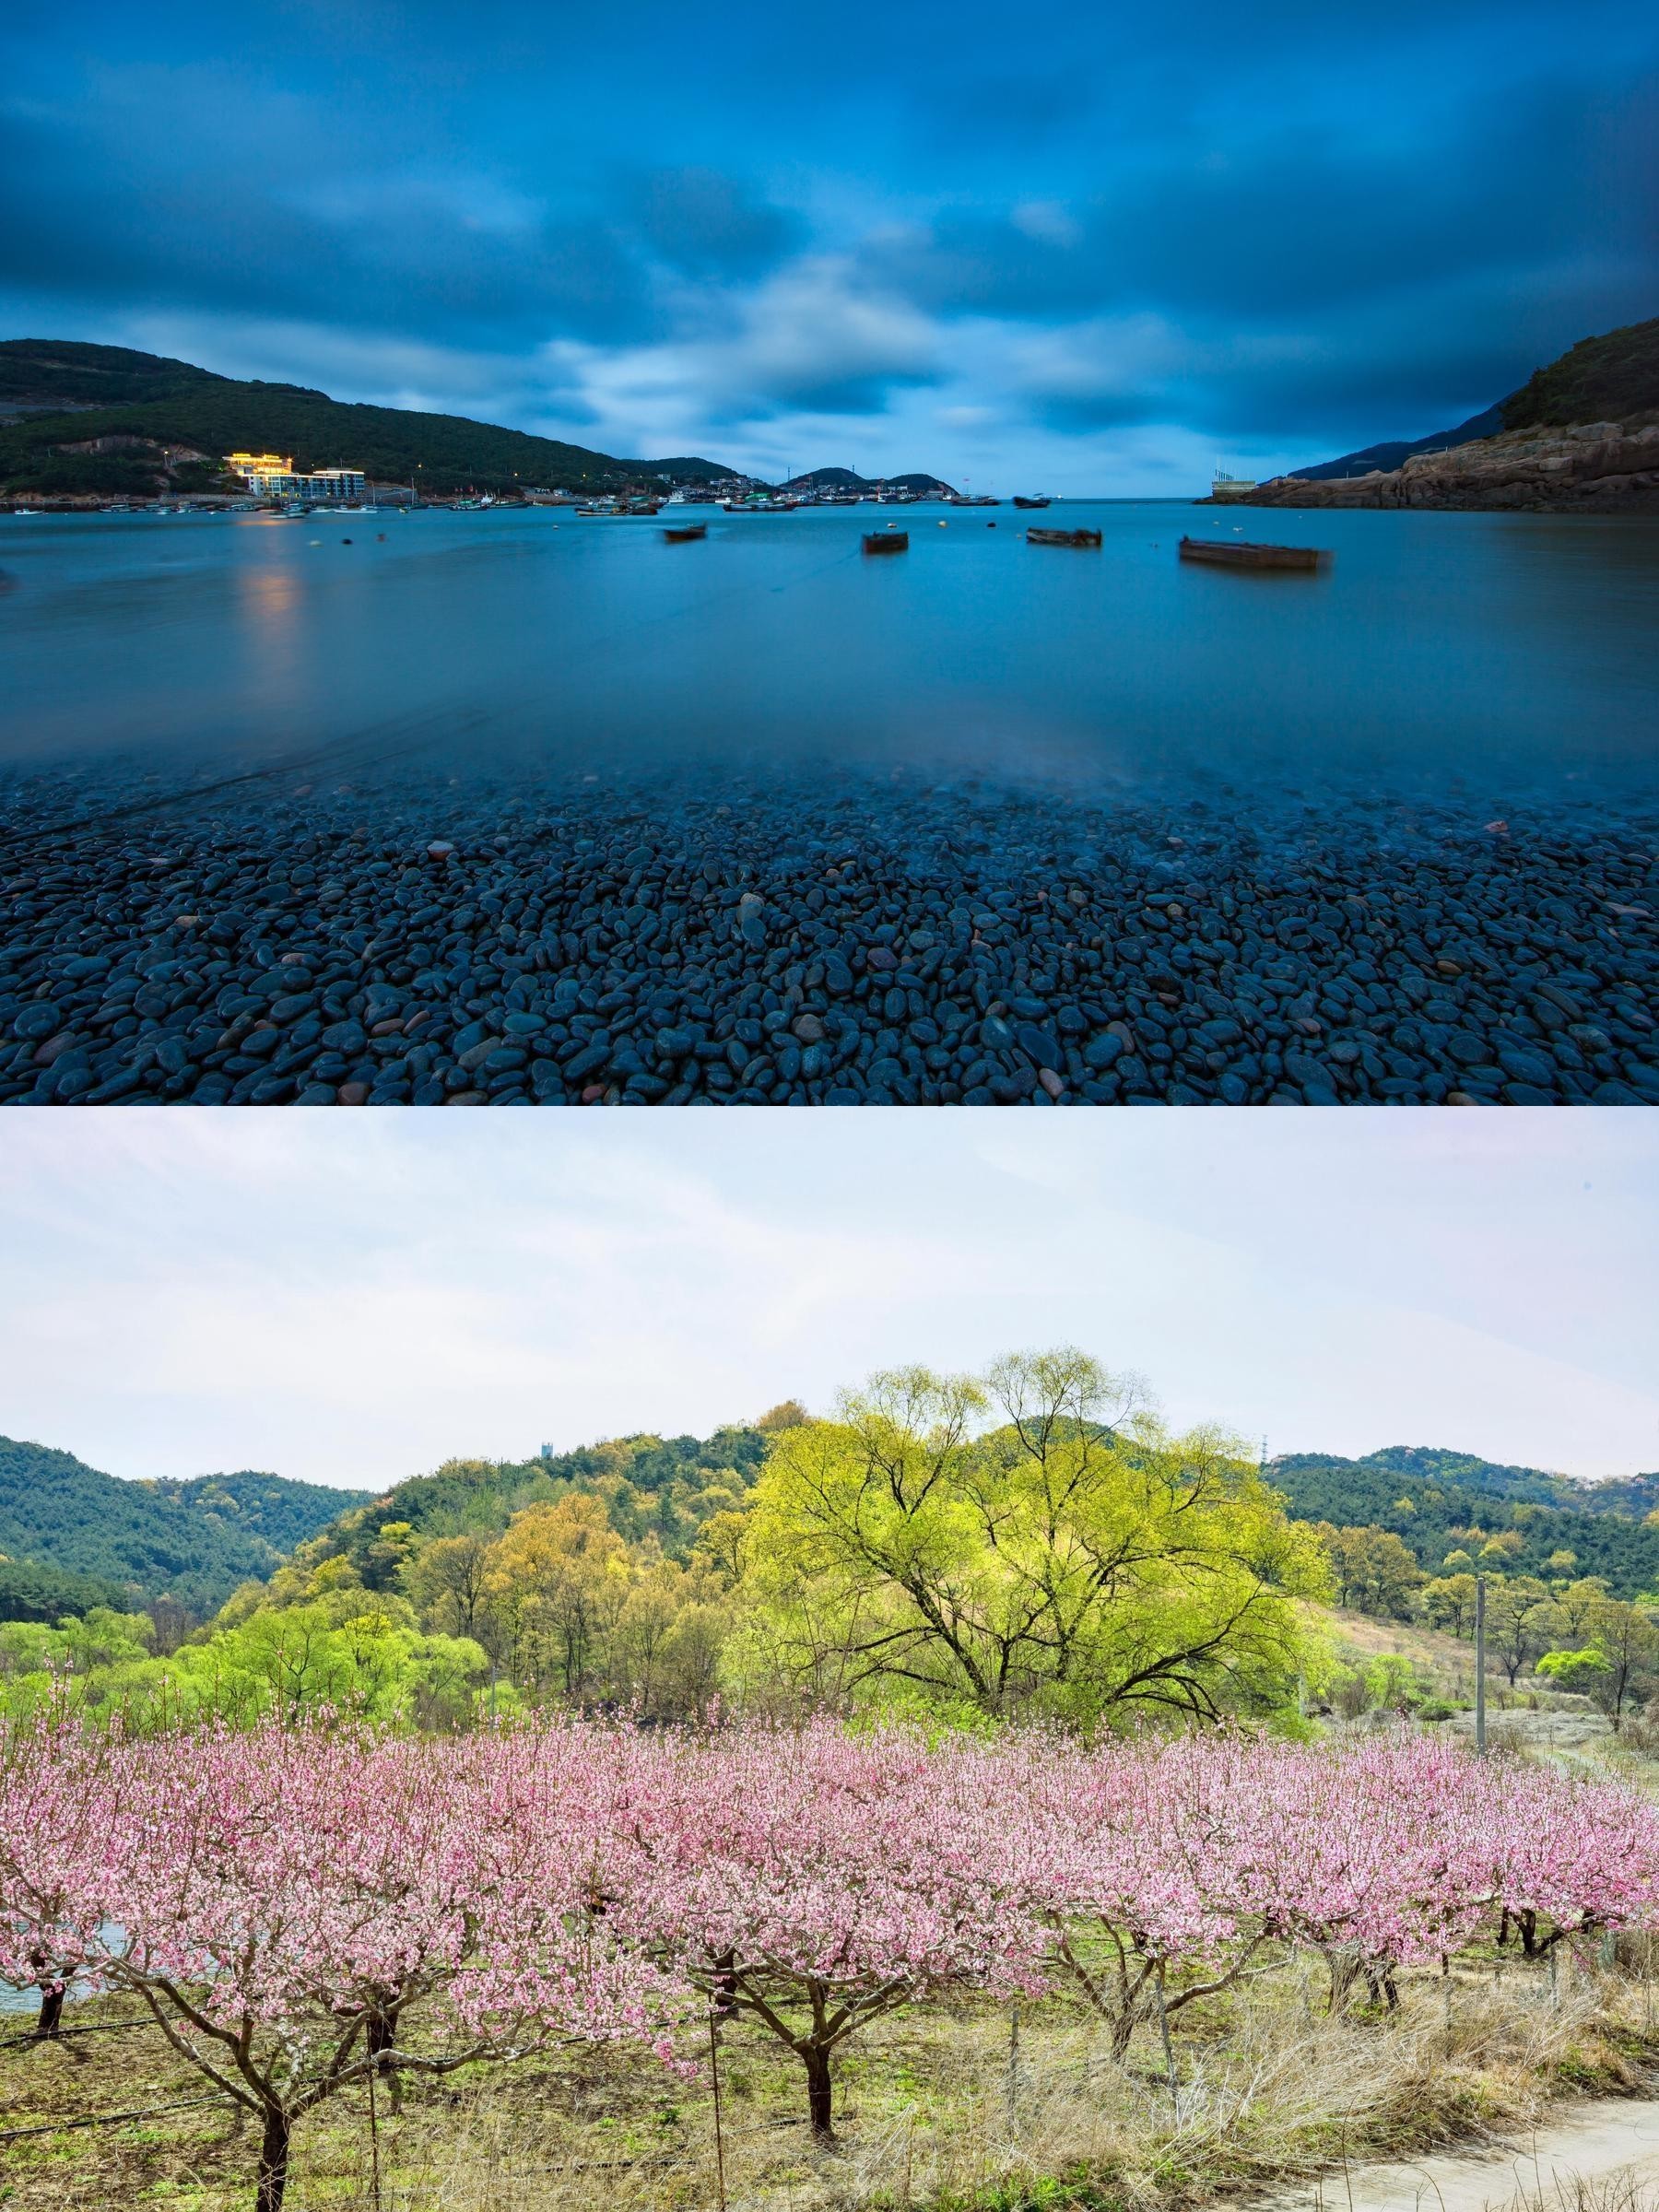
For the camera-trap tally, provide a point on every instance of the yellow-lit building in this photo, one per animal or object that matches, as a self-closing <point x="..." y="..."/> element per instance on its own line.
<point x="271" y="476"/>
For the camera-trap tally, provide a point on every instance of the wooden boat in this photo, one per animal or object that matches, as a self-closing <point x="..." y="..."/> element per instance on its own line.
<point x="1020" y="502"/>
<point x="886" y="541"/>
<point x="1240" y="553"/>
<point x="681" y="533"/>
<point x="1063" y="538"/>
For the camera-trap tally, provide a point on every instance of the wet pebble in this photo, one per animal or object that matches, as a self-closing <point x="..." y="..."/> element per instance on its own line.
<point x="604" y="944"/>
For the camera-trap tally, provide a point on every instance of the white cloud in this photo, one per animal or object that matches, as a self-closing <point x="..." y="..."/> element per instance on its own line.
<point x="353" y="1299"/>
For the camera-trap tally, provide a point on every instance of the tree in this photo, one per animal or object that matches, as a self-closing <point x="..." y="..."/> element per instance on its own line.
<point x="57" y="1789"/>
<point x="448" y="1579"/>
<point x="557" y="1580"/>
<point x="291" y="1897"/>
<point x="1628" y="1639"/>
<point x="1078" y="1558"/>
<point x="812" y="1881"/>
<point x="1448" y="1601"/>
<point x="1374" y="1571"/>
<point x="1522" y="1618"/>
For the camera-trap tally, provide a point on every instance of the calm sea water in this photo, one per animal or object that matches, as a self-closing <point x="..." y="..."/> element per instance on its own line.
<point x="1500" y="652"/>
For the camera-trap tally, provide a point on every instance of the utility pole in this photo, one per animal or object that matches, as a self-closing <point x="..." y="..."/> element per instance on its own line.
<point x="1480" y="1664"/>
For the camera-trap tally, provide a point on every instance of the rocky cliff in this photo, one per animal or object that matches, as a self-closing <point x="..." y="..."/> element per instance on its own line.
<point x="1577" y="468"/>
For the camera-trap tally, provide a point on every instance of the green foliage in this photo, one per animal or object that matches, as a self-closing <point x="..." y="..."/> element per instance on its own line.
<point x="1574" y="1670"/>
<point x="30" y="1592"/>
<point x="175" y="404"/>
<point x="1449" y="1503"/>
<point x="656" y="1489"/>
<point x="343" y="1652"/>
<point x="194" y="1539"/>
<point x="1610" y="379"/>
<point x="1371" y="1570"/>
<point x="1079" y="1559"/>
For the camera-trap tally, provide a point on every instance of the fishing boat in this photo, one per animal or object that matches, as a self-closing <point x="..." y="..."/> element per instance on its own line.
<point x="1019" y="501"/>
<point x="1063" y="538"/>
<point x="681" y="533"/>
<point x="886" y="541"/>
<point x="1240" y="553"/>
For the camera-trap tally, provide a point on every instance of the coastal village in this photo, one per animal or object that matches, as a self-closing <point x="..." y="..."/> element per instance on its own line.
<point x="253" y="482"/>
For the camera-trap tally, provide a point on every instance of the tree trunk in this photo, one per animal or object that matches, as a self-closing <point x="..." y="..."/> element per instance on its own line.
<point x="52" y="2016"/>
<point x="819" y="2097"/>
<point x="380" y="2040"/>
<point x="723" y="1985"/>
<point x="273" y="2161"/>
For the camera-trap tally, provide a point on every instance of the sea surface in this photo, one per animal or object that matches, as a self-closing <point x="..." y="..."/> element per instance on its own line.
<point x="1481" y="654"/>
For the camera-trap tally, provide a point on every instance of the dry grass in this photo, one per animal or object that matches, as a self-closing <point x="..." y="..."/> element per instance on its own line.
<point x="940" y="2111"/>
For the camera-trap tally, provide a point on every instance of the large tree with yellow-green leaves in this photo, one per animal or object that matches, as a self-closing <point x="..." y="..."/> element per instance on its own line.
<point x="1033" y="1539"/>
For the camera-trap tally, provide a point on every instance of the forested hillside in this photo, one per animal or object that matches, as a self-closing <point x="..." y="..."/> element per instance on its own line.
<point x="1441" y="1503"/>
<point x="139" y="405"/>
<point x="193" y="1540"/>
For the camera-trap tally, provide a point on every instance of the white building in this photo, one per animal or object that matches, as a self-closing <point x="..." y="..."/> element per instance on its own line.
<point x="272" y="477"/>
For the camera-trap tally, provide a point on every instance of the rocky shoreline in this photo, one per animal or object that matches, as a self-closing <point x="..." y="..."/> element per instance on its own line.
<point x="881" y="944"/>
<point x="1583" y="468"/>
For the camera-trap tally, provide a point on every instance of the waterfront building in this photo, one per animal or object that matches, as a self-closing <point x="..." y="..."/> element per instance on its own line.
<point x="272" y="477"/>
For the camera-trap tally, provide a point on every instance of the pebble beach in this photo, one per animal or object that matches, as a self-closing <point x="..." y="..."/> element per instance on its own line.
<point x="890" y="942"/>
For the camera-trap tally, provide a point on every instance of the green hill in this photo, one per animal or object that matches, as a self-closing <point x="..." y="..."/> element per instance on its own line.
<point x="1610" y="379"/>
<point x="147" y="406"/>
<point x="1427" y="1497"/>
<point x="191" y="1539"/>
<point x="653" y="1488"/>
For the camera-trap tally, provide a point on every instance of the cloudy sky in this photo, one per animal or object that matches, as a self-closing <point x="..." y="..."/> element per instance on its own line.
<point x="1091" y="247"/>
<point x="353" y="1299"/>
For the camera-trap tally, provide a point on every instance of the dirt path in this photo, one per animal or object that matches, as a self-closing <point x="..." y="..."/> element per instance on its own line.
<point x="1604" y="2139"/>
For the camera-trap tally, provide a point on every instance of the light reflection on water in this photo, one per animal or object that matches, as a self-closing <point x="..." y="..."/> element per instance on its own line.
<point x="1501" y="652"/>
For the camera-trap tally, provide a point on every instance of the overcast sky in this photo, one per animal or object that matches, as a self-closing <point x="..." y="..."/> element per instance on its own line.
<point x="1091" y="248"/>
<point x="353" y="1299"/>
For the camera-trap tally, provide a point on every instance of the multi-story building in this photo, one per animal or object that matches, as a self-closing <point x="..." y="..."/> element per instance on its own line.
<point x="272" y="477"/>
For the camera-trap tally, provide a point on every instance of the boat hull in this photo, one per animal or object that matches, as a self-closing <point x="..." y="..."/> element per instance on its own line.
<point x="682" y="535"/>
<point x="1241" y="554"/>
<point x="886" y="541"/>
<point x="1063" y="538"/>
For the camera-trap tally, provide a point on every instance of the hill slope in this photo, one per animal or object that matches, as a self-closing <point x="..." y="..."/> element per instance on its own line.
<point x="148" y="405"/>
<point x="1611" y="379"/>
<point x="194" y="1539"/>
<point x="1614" y="378"/>
<point x="663" y="1489"/>
<point x="1427" y="1497"/>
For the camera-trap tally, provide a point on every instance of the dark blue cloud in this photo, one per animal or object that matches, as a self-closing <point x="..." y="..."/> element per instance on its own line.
<point x="708" y="224"/>
<point x="1310" y="221"/>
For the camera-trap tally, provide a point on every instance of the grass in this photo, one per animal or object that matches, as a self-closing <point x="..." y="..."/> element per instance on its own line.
<point x="964" y="2109"/>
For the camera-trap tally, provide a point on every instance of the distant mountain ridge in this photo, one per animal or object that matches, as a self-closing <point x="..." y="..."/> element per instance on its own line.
<point x="845" y="480"/>
<point x="192" y="1538"/>
<point x="150" y="413"/>
<point x="71" y="1538"/>
<point x="109" y="421"/>
<point x="1427" y="1497"/>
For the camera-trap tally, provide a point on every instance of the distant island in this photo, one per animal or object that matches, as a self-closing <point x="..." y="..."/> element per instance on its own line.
<point x="82" y="423"/>
<point x="1580" y="435"/>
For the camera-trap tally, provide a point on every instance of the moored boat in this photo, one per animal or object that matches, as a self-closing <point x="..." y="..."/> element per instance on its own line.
<point x="680" y="533"/>
<point x="886" y="541"/>
<point x="1063" y="538"/>
<point x="1019" y="501"/>
<point x="1240" y="553"/>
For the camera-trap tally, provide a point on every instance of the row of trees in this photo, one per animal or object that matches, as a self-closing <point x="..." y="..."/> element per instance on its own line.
<point x="1031" y="1541"/>
<point x="1565" y="1626"/>
<point x="300" y="1909"/>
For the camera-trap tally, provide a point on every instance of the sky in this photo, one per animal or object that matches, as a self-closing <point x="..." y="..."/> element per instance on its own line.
<point x="354" y="1298"/>
<point x="1078" y="247"/>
